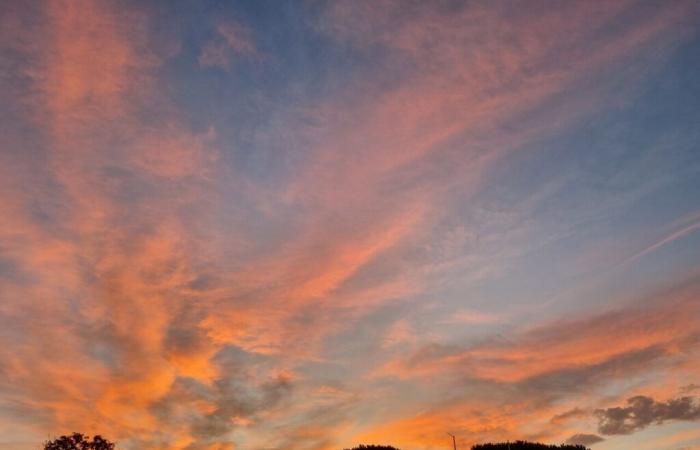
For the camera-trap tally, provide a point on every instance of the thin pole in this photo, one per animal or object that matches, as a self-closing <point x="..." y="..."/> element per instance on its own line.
<point x="454" y="442"/>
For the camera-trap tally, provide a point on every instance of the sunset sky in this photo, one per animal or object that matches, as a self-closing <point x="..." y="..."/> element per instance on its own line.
<point x="306" y="225"/>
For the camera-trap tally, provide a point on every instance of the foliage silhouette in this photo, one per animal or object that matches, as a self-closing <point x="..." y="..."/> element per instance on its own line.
<point x="522" y="445"/>
<point x="77" y="441"/>
<point x="517" y="445"/>
<point x="373" y="447"/>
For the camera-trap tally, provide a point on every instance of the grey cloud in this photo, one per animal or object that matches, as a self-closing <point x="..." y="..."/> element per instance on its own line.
<point x="184" y="334"/>
<point x="584" y="439"/>
<point x="687" y="389"/>
<point x="568" y="415"/>
<point x="219" y="445"/>
<point x="642" y="411"/>
<point x="315" y="429"/>
<point x="234" y="399"/>
<point x="556" y="383"/>
<point x="238" y="393"/>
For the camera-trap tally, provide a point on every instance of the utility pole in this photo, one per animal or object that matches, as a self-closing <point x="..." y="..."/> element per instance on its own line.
<point x="454" y="442"/>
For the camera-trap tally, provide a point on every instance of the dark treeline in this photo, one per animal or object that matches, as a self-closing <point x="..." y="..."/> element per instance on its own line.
<point x="517" y="445"/>
<point x="522" y="445"/>
<point x="373" y="447"/>
<point x="77" y="441"/>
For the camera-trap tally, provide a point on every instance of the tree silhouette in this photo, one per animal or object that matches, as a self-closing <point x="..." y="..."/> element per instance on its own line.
<point x="517" y="445"/>
<point x="77" y="441"/>
<point x="373" y="447"/>
<point x="522" y="445"/>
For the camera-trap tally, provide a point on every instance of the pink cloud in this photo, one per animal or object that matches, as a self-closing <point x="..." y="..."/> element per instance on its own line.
<point x="125" y="265"/>
<point x="233" y="40"/>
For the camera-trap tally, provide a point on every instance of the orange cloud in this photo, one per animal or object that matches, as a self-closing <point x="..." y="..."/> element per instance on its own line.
<point x="667" y="327"/>
<point x="139" y="306"/>
<point x="513" y="386"/>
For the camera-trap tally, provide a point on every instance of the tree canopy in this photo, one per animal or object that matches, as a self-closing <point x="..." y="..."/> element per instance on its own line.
<point x="522" y="445"/>
<point x="373" y="447"/>
<point x="77" y="441"/>
<point x="517" y="445"/>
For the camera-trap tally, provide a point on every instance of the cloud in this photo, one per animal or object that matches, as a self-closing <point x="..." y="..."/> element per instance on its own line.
<point x="104" y="236"/>
<point x="569" y="415"/>
<point x="232" y="405"/>
<point x="233" y="40"/>
<point x="400" y="332"/>
<point x="493" y="386"/>
<point x="666" y="240"/>
<point x="687" y="389"/>
<point x="554" y="354"/>
<point x="643" y="411"/>
<point x="193" y="303"/>
<point x="473" y="317"/>
<point x="584" y="439"/>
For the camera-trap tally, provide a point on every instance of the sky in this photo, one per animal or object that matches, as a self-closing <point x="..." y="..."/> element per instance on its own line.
<point x="306" y="225"/>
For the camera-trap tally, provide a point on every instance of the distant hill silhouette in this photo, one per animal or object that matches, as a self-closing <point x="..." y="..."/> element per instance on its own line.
<point x="522" y="445"/>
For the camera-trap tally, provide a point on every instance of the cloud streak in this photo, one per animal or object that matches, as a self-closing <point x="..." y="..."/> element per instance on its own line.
<point x="584" y="439"/>
<point x="311" y="250"/>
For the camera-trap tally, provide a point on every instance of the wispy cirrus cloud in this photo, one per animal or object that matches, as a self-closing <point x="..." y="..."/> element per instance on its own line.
<point x="198" y="301"/>
<point x="514" y="382"/>
<point x="675" y="235"/>
<point x="232" y="40"/>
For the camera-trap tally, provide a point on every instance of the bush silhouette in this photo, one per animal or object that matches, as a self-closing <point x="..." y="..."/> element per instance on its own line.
<point x="373" y="447"/>
<point x="517" y="445"/>
<point x="77" y="441"/>
<point x="522" y="445"/>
